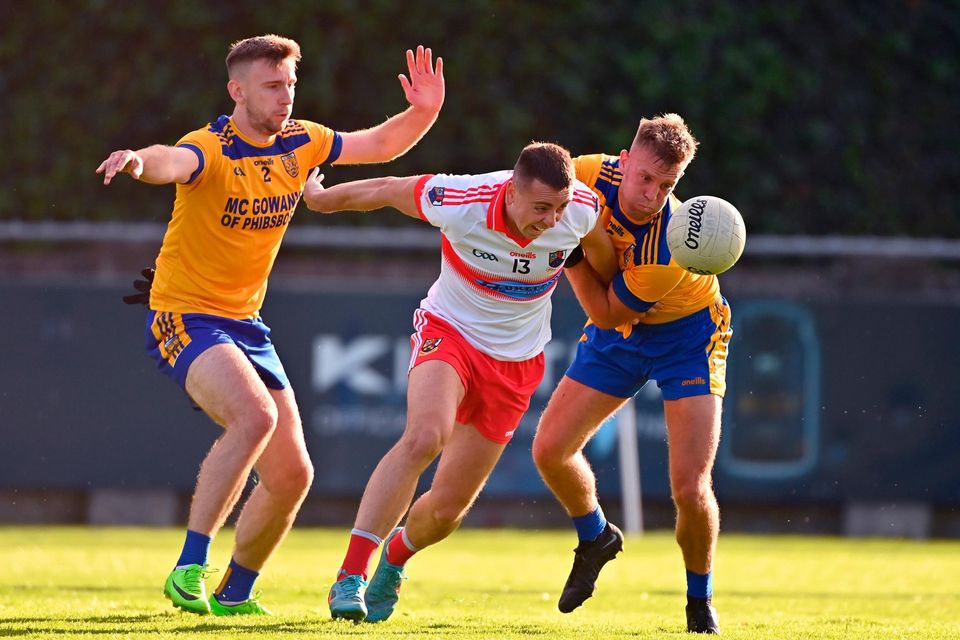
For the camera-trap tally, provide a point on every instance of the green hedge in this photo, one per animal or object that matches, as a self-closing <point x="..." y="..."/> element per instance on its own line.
<point x="814" y="117"/>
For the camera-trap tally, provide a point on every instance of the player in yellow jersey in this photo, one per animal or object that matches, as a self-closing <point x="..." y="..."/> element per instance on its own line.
<point x="653" y="321"/>
<point x="239" y="180"/>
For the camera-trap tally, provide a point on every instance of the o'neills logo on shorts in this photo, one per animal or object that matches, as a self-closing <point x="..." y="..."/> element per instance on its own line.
<point x="430" y="345"/>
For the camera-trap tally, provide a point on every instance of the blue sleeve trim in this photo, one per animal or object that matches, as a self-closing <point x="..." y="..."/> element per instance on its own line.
<point x="335" y="148"/>
<point x="626" y="296"/>
<point x="663" y="249"/>
<point x="196" y="150"/>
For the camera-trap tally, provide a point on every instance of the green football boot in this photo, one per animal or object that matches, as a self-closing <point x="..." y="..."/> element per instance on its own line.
<point x="251" y="607"/>
<point x="384" y="590"/>
<point x="186" y="590"/>
<point x="346" y="599"/>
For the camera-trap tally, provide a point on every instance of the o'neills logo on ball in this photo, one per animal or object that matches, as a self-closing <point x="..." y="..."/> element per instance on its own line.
<point x="695" y="223"/>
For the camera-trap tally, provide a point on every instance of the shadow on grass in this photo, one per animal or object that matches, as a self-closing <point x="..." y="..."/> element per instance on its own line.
<point x="77" y="625"/>
<point x="111" y="619"/>
<point x="154" y="624"/>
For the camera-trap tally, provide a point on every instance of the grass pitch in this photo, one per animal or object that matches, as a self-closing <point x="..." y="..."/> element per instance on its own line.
<point x="106" y="582"/>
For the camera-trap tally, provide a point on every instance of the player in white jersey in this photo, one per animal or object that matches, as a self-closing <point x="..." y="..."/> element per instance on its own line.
<point x="477" y="350"/>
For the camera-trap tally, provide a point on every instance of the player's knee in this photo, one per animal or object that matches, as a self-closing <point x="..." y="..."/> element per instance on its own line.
<point x="257" y="425"/>
<point x="548" y="454"/>
<point x="292" y="482"/>
<point x="450" y="513"/>
<point x="422" y="444"/>
<point x="692" y="493"/>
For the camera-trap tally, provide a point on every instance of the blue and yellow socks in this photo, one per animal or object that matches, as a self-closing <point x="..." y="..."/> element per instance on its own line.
<point x="237" y="584"/>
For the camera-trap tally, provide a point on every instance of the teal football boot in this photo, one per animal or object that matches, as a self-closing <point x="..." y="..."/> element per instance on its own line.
<point x="384" y="590"/>
<point x="346" y="599"/>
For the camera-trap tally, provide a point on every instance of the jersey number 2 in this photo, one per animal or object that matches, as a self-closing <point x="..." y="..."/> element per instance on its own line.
<point x="266" y="173"/>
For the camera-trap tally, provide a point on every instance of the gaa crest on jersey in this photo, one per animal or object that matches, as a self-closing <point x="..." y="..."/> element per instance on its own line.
<point x="436" y="196"/>
<point x="290" y="164"/>
<point x="556" y="258"/>
<point x="430" y="345"/>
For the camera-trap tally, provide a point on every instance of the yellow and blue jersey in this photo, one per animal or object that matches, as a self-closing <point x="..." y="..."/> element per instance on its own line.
<point x="648" y="274"/>
<point x="683" y="340"/>
<point x="229" y="218"/>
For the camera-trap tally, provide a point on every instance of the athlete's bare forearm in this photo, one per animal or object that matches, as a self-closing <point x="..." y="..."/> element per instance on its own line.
<point x="156" y="164"/>
<point x="600" y="253"/>
<point x="591" y="293"/>
<point x="598" y="299"/>
<point x="362" y="195"/>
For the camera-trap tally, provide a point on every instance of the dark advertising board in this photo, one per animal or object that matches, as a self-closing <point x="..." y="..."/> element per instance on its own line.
<point x="826" y="402"/>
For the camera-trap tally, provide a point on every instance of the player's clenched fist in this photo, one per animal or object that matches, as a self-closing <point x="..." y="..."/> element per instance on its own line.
<point x="122" y="161"/>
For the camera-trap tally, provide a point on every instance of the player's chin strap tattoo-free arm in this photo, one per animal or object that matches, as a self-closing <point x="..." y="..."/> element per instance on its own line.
<point x="143" y="287"/>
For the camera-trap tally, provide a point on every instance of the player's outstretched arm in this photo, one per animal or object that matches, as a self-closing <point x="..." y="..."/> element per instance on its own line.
<point x="362" y="195"/>
<point x="157" y="164"/>
<point x="424" y="90"/>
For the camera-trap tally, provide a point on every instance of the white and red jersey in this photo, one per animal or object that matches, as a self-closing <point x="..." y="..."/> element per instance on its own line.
<point x="494" y="287"/>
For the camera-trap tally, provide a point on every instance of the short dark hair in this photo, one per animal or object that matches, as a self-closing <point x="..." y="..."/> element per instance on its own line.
<point x="547" y="162"/>
<point x="270" y="47"/>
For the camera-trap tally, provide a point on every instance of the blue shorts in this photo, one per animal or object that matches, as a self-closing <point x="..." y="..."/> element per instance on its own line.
<point x="687" y="357"/>
<point x="174" y="340"/>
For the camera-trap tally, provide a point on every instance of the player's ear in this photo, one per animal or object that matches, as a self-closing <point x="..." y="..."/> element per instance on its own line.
<point x="235" y="90"/>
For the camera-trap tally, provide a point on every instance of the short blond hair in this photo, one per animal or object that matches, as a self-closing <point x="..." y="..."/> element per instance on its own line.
<point x="668" y="137"/>
<point x="272" y="48"/>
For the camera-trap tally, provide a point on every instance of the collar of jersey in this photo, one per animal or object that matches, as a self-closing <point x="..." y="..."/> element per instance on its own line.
<point x="636" y="229"/>
<point x="497" y="216"/>
<point x="246" y="139"/>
